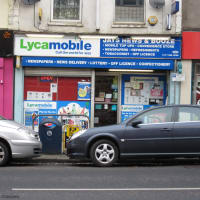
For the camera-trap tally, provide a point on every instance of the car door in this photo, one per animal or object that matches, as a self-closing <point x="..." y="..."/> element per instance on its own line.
<point x="186" y="136"/>
<point x="152" y="136"/>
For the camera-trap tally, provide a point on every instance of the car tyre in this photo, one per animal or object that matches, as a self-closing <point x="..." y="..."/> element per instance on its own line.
<point x="4" y="154"/>
<point x="104" y="153"/>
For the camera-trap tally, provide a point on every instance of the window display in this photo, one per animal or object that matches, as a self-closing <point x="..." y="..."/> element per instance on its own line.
<point x="196" y="84"/>
<point x="106" y="98"/>
<point x="197" y="89"/>
<point x="143" y="90"/>
<point x="55" y="95"/>
<point x="139" y="92"/>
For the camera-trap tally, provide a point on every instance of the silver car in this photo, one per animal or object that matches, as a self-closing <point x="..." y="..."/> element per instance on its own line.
<point x="17" y="141"/>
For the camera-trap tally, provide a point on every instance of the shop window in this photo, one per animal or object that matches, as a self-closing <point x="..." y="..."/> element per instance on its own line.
<point x="196" y="84"/>
<point x="52" y="88"/>
<point x="106" y="98"/>
<point x="140" y="92"/>
<point x="57" y="95"/>
<point x="129" y="11"/>
<point x="66" y="10"/>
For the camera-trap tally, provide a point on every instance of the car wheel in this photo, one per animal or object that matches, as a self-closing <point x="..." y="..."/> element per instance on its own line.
<point x="4" y="154"/>
<point x="104" y="153"/>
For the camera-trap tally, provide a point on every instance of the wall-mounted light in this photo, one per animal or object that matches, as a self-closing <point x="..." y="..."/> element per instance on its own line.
<point x="150" y="38"/>
<point x="40" y="14"/>
<point x="169" y="21"/>
<point x="157" y="3"/>
<point x="111" y="37"/>
<point x="18" y="62"/>
<point x="129" y="70"/>
<point x="44" y="36"/>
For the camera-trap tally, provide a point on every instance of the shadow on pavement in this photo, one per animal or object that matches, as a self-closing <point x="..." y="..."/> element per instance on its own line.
<point x="56" y="160"/>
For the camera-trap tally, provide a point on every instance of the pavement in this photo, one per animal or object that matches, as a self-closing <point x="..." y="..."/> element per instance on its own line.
<point x="62" y="159"/>
<point x="44" y="159"/>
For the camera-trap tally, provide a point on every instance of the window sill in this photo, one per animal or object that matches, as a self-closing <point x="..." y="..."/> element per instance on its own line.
<point x="75" y="24"/>
<point x="128" y="25"/>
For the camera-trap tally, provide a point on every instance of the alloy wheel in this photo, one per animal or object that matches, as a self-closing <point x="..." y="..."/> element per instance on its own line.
<point x="104" y="153"/>
<point x="2" y="153"/>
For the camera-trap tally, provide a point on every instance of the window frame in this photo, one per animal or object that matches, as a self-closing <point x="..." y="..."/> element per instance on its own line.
<point x="178" y="110"/>
<point x="131" y="22"/>
<point x="66" y="20"/>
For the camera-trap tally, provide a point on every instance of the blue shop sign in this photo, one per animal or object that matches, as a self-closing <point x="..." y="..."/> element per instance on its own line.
<point x="111" y="63"/>
<point x="144" y="48"/>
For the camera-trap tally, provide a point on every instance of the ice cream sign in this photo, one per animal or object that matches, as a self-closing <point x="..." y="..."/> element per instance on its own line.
<point x="25" y="46"/>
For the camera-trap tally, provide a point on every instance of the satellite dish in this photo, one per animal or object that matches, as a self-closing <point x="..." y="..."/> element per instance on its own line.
<point x="157" y="3"/>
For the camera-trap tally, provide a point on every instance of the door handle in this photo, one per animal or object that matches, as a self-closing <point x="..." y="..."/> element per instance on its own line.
<point x="166" y="129"/>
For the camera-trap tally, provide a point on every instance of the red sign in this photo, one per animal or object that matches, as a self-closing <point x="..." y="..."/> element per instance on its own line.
<point x="191" y="45"/>
<point x="46" y="78"/>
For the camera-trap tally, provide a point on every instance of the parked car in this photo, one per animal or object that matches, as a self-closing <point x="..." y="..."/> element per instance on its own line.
<point x="166" y="131"/>
<point x="17" y="141"/>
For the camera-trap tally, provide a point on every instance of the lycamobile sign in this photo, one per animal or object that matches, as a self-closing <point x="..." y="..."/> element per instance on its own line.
<point x="55" y="45"/>
<point x="25" y="46"/>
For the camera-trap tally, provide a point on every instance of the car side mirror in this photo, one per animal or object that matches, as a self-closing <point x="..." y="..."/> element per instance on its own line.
<point x="136" y="123"/>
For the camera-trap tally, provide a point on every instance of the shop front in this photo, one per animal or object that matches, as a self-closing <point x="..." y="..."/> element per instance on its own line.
<point x="191" y="58"/>
<point x="107" y="80"/>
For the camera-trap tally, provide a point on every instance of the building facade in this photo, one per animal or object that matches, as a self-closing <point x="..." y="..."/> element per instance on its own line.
<point x="105" y="59"/>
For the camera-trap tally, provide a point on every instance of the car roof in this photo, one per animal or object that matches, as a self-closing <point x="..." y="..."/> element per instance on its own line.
<point x="177" y="105"/>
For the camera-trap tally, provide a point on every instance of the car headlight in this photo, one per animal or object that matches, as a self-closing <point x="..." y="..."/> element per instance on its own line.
<point x="77" y="134"/>
<point x="26" y="131"/>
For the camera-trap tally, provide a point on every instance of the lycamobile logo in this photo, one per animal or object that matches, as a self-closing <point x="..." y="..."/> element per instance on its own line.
<point x="55" y="45"/>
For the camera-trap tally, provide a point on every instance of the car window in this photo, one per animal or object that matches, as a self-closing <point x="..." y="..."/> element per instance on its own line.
<point x="188" y="114"/>
<point x="160" y="115"/>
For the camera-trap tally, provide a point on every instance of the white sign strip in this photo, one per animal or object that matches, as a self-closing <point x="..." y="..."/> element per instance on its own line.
<point x="25" y="46"/>
<point x="104" y="189"/>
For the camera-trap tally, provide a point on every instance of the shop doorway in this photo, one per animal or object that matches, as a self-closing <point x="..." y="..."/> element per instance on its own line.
<point x="196" y="84"/>
<point x="106" y="100"/>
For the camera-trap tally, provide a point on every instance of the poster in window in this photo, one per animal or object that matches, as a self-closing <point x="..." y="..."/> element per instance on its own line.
<point x="157" y="90"/>
<point x="84" y="91"/>
<point x="198" y="91"/>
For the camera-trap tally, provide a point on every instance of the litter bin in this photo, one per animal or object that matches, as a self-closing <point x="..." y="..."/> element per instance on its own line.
<point x="50" y="131"/>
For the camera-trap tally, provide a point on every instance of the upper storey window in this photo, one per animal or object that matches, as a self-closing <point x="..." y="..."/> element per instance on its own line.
<point x="66" y="10"/>
<point x="129" y="11"/>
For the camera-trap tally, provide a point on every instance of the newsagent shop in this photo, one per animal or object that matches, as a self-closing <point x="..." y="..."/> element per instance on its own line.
<point x="109" y="80"/>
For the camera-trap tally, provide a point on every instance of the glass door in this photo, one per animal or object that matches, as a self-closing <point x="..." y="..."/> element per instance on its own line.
<point x="106" y="100"/>
<point x="196" y="85"/>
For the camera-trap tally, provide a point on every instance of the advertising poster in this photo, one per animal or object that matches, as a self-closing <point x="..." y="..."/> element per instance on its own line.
<point x="28" y="118"/>
<point x="38" y="107"/>
<point x="54" y="108"/>
<point x="84" y="91"/>
<point x="198" y="91"/>
<point x="74" y="108"/>
<point x="129" y="111"/>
